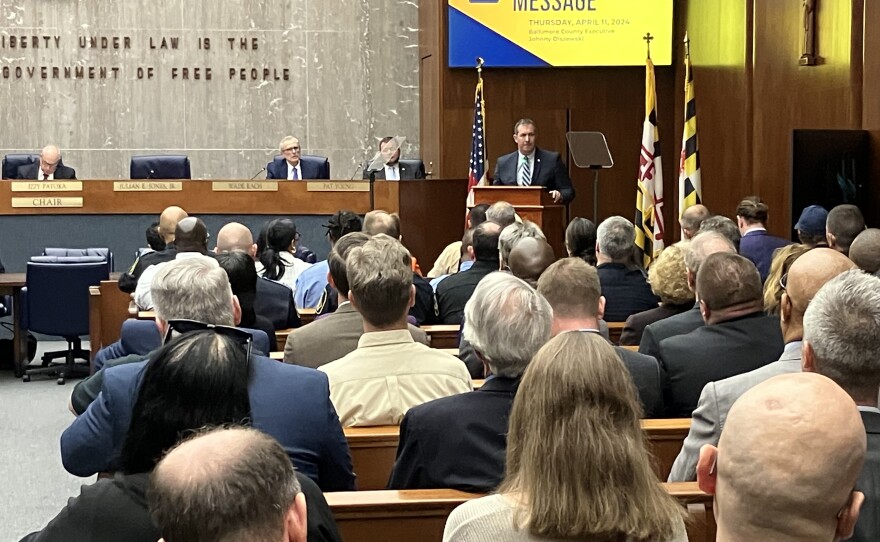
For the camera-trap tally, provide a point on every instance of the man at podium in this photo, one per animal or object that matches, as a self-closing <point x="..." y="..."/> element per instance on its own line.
<point x="531" y="166"/>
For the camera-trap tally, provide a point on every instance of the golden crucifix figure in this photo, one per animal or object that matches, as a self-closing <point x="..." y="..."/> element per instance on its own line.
<point x="808" y="54"/>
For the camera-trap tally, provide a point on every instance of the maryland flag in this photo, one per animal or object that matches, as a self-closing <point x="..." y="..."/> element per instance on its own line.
<point x="690" y="191"/>
<point x="649" y="196"/>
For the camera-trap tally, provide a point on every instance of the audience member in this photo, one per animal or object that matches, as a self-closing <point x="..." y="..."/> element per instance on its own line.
<point x="810" y="226"/>
<point x="667" y="277"/>
<point x="783" y="257"/>
<point x="807" y="275"/>
<point x="738" y="337"/>
<point x="243" y="279"/>
<point x="786" y="464"/>
<point x="311" y="282"/>
<point x="336" y="335"/>
<point x="724" y="226"/>
<point x="573" y="290"/>
<point x="389" y="372"/>
<point x="756" y="244"/>
<point x="190" y="241"/>
<point x="501" y="213"/>
<point x="167" y="225"/>
<point x="455" y="290"/>
<point x="274" y="301"/>
<point x="529" y="258"/>
<point x="467" y="241"/>
<point x="865" y="251"/>
<point x="459" y="441"/>
<point x="691" y="220"/>
<point x="580" y="239"/>
<point x="197" y="289"/>
<point x="701" y="246"/>
<point x="512" y="234"/>
<point x="624" y="286"/>
<point x="449" y="259"/>
<point x="277" y="261"/>
<point x="843" y="225"/>
<point x="155" y="242"/>
<point x="236" y="484"/>
<point x="577" y="463"/>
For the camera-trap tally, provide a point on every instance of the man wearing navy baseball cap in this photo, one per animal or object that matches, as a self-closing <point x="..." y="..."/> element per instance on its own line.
<point x="811" y="226"/>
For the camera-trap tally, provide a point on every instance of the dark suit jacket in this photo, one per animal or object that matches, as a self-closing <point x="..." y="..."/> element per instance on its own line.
<point x="425" y="309"/>
<point x="277" y="169"/>
<point x="29" y="171"/>
<point x="868" y="526"/>
<point x="758" y="246"/>
<point x="409" y="169"/>
<point x="647" y="377"/>
<point x="274" y="302"/>
<point x="715" y="352"/>
<point x="669" y="327"/>
<point x="292" y="404"/>
<point x="636" y="323"/>
<point x="128" y="281"/>
<point x="454" y="291"/>
<point x="549" y="171"/>
<point x="456" y="442"/>
<point x="626" y="291"/>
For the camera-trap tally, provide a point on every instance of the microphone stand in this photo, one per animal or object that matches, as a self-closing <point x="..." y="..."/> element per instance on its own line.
<point x="372" y="194"/>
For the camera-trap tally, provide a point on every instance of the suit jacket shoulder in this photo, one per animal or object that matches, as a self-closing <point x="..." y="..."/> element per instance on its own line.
<point x="645" y="372"/>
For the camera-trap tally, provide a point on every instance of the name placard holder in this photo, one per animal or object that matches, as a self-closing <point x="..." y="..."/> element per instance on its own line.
<point x="244" y="186"/>
<point x="338" y="186"/>
<point x="47" y="186"/>
<point x="147" y="186"/>
<point x="34" y="202"/>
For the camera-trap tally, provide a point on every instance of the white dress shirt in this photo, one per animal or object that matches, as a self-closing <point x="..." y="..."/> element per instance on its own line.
<point x="298" y="169"/>
<point x="392" y="172"/>
<point x="143" y="297"/>
<point x="51" y="176"/>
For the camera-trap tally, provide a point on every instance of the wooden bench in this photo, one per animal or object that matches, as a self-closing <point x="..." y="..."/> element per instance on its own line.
<point x="306" y="316"/>
<point x="374" y="449"/>
<point x="404" y="516"/>
<point x="108" y="308"/>
<point x="615" y="330"/>
<point x="442" y="336"/>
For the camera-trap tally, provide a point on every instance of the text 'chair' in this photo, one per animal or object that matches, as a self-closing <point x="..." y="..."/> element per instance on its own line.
<point x="175" y="166"/>
<point x="11" y="163"/>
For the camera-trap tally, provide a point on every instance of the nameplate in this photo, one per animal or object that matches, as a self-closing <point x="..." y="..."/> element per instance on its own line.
<point x="47" y="186"/>
<point x="36" y="202"/>
<point x="244" y="186"/>
<point x="338" y="186"/>
<point x="147" y="186"/>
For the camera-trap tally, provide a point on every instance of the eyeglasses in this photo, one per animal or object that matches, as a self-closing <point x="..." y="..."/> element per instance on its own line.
<point x="783" y="280"/>
<point x="181" y="327"/>
<point x="289" y="149"/>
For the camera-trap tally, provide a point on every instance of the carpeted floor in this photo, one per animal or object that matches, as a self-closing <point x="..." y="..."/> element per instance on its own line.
<point x="35" y="487"/>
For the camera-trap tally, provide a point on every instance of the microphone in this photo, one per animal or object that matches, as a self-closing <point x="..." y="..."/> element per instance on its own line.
<point x="356" y="171"/>
<point x="262" y="169"/>
<point x="152" y="172"/>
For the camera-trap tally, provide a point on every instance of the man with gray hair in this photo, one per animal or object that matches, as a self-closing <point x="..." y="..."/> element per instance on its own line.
<point x="725" y="226"/>
<point x="501" y="213"/>
<point x="691" y="220"/>
<point x="460" y="441"/>
<point x="389" y="372"/>
<point x="624" y="285"/>
<point x="701" y="247"/>
<point x="193" y="294"/>
<point x="511" y="234"/>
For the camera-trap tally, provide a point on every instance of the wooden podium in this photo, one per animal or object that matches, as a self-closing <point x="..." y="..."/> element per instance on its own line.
<point x="531" y="203"/>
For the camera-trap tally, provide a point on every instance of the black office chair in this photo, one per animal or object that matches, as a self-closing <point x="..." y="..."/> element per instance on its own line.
<point x="160" y="167"/>
<point x="57" y="303"/>
<point x="11" y="163"/>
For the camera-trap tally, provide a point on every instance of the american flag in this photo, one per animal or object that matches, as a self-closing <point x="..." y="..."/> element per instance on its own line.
<point x="477" y="169"/>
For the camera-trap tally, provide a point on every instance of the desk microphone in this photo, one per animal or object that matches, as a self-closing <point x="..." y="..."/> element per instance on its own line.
<point x="357" y="169"/>
<point x="262" y="169"/>
<point x="152" y="172"/>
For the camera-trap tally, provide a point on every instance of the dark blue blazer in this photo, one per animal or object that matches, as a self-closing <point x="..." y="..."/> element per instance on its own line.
<point x="548" y="171"/>
<point x="274" y="302"/>
<point x="312" y="167"/>
<point x="758" y="246"/>
<point x="626" y="291"/>
<point x="290" y="403"/>
<point x="868" y="525"/>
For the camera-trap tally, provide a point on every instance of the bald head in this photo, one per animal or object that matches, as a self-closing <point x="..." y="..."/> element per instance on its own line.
<point x="168" y="222"/>
<point x="235" y="236"/>
<point x="191" y="235"/>
<point x="865" y="250"/>
<point x="226" y="482"/>
<point x="691" y="220"/>
<point x="810" y="272"/>
<point x="376" y="222"/>
<point x="529" y="258"/>
<point x="787" y="462"/>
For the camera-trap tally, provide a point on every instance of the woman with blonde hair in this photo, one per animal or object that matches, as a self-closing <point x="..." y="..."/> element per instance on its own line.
<point x="577" y="465"/>
<point x="774" y="285"/>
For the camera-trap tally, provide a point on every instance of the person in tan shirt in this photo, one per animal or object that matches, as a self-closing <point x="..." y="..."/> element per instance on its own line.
<point x="389" y="372"/>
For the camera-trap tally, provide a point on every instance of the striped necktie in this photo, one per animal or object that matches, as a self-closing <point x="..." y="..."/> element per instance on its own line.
<point x="525" y="173"/>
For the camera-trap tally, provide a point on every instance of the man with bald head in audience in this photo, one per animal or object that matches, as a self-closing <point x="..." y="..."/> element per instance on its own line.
<point x="167" y="225"/>
<point x="190" y="240"/>
<point x="843" y="225"/>
<point x="805" y="277"/>
<point x="511" y="235"/>
<point x="787" y="463"/>
<point x="529" y="258"/>
<point x="572" y="288"/>
<point x="691" y="219"/>
<point x="701" y="246"/>
<point x="738" y="337"/>
<point x="865" y="251"/>
<point x="455" y="290"/>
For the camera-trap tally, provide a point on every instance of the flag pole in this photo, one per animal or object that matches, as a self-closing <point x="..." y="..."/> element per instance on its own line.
<point x="480" y="63"/>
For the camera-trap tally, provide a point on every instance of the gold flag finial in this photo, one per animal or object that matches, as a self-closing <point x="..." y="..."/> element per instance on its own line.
<point x="687" y="45"/>
<point x="648" y="37"/>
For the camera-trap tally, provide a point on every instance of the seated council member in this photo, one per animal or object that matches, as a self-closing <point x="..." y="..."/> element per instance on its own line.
<point x="531" y="166"/>
<point x="395" y="169"/>
<point x="50" y="167"/>
<point x="290" y="166"/>
<point x="577" y="463"/>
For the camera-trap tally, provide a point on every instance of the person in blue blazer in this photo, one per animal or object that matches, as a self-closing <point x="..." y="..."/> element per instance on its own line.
<point x="531" y="166"/>
<point x="293" y="167"/>
<point x="756" y="244"/>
